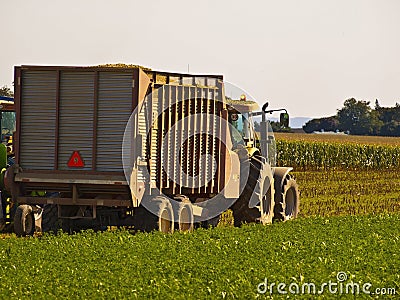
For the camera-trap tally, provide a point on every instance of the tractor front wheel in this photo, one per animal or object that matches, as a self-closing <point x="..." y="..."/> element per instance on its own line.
<point x="287" y="201"/>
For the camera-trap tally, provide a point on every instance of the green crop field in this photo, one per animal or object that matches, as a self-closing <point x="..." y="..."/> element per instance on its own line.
<point x="216" y="263"/>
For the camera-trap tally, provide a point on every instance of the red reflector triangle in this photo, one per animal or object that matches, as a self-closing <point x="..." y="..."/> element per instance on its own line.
<point x="76" y="161"/>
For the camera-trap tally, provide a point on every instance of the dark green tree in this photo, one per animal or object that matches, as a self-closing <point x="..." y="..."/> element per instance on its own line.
<point x="391" y="128"/>
<point x="358" y="118"/>
<point x="326" y="124"/>
<point x="388" y="114"/>
<point x="6" y="91"/>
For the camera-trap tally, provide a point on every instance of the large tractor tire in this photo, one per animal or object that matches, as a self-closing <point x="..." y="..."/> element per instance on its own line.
<point x="157" y="214"/>
<point x="256" y="201"/>
<point x="24" y="220"/>
<point x="287" y="200"/>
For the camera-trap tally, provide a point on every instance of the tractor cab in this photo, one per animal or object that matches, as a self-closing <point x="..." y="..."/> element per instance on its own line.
<point x="240" y="117"/>
<point x="258" y="140"/>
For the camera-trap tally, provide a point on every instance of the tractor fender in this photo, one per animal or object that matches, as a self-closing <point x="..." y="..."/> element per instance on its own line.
<point x="279" y="175"/>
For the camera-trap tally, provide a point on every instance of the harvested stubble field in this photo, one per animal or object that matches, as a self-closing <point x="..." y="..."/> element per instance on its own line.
<point x="339" y="193"/>
<point x="349" y="222"/>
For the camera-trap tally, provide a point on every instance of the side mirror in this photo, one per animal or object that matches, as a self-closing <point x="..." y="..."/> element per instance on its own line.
<point x="264" y="108"/>
<point x="284" y="119"/>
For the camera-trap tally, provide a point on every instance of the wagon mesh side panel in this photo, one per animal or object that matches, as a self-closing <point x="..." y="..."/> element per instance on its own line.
<point x="76" y="117"/>
<point x="38" y="116"/>
<point x="114" y="109"/>
<point x="142" y="121"/>
<point x="154" y="135"/>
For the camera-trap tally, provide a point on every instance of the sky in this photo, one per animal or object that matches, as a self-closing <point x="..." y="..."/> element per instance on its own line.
<point x="306" y="56"/>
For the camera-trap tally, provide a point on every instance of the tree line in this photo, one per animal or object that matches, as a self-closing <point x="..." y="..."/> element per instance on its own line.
<point x="357" y="117"/>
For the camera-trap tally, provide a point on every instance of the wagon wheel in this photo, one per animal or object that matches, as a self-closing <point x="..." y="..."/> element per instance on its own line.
<point x="50" y="222"/>
<point x="24" y="220"/>
<point x="155" y="213"/>
<point x="184" y="212"/>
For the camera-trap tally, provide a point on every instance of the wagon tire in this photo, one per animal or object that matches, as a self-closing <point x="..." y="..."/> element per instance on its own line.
<point x="157" y="214"/>
<point x="24" y="220"/>
<point x="183" y="209"/>
<point x="50" y="221"/>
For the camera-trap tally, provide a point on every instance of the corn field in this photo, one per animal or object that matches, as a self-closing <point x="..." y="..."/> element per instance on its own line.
<point x="305" y="155"/>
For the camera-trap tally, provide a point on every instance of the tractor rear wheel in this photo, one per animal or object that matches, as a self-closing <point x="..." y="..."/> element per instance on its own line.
<point x="256" y="201"/>
<point x="24" y="220"/>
